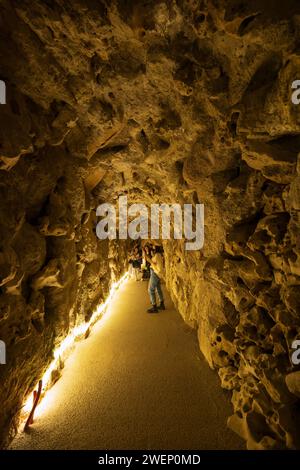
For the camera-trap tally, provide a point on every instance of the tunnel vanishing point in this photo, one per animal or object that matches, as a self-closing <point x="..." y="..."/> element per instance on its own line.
<point x="174" y="101"/>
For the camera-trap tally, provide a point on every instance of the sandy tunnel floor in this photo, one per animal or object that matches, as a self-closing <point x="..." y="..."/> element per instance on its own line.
<point x="138" y="382"/>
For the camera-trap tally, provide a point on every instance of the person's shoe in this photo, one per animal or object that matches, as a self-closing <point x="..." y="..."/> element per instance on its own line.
<point x="153" y="309"/>
<point x="161" y="306"/>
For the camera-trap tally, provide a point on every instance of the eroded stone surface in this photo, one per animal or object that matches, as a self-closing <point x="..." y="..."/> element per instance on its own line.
<point x="172" y="101"/>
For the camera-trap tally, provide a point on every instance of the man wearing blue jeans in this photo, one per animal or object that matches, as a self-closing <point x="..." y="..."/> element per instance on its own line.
<point x="156" y="270"/>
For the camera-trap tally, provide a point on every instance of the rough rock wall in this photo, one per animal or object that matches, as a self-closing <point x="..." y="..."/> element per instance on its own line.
<point x="244" y="301"/>
<point x="54" y="271"/>
<point x="173" y="101"/>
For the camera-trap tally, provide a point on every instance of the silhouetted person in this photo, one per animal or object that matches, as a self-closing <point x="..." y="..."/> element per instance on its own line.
<point x="146" y="264"/>
<point x="136" y="261"/>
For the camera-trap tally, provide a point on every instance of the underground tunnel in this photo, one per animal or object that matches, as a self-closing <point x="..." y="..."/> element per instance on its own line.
<point x="192" y="103"/>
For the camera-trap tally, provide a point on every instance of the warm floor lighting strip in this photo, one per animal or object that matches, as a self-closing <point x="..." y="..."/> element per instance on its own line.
<point x="66" y="345"/>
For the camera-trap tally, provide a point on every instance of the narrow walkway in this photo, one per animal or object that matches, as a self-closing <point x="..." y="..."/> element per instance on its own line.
<point x="138" y="382"/>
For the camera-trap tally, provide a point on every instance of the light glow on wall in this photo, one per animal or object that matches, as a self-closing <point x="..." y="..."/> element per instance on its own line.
<point x="64" y="349"/>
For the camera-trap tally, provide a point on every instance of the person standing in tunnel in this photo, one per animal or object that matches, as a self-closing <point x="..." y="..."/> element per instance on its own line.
<point x="136" y="261"/>
<point x="154" y="257"/>
<point x="146" y="265"/>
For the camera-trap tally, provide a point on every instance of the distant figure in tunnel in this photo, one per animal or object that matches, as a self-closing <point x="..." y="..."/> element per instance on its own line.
<point x="153" y="255"/>
<point x="136" y="261"/>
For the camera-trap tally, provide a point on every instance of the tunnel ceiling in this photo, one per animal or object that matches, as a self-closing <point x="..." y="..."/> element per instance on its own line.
<point x="165" y="101"/>
<point x="149" y="97"/>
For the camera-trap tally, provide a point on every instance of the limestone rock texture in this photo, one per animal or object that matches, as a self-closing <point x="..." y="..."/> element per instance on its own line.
<point x="163" y="101"/>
